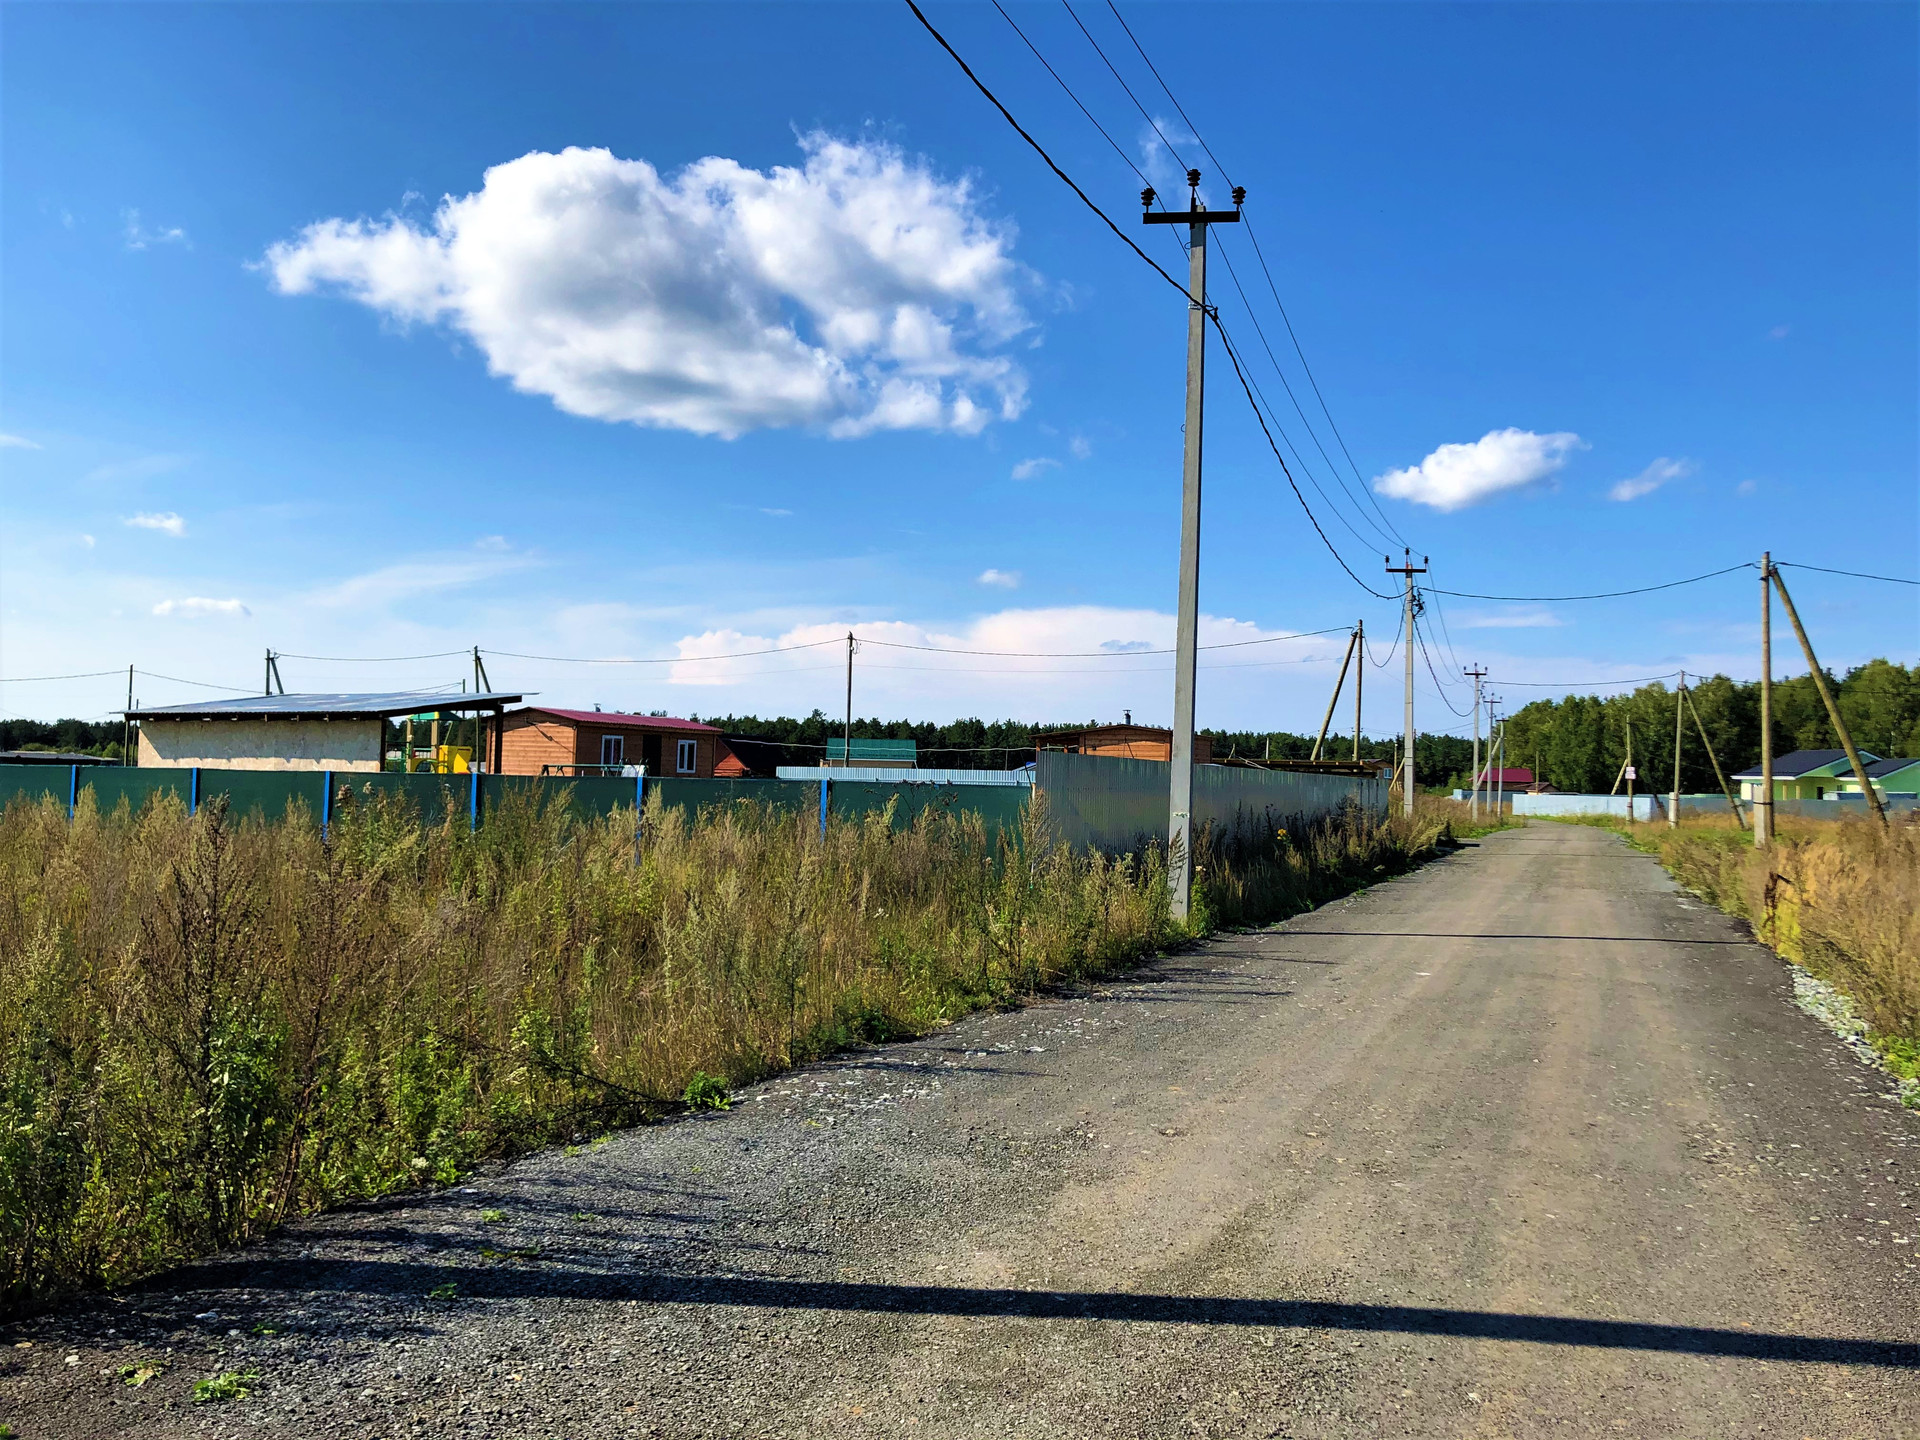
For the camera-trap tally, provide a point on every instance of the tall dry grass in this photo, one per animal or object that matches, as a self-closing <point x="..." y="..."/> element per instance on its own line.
<point x="209" y="1025"/>
<point x="1840" y="897"/>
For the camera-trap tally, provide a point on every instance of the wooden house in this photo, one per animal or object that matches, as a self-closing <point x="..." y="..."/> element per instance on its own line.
<point x="1128" y="742"/>
<point x="543" y="741"/>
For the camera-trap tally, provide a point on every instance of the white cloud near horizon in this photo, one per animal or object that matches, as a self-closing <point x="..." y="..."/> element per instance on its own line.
<point x="1507" y="620"/>
<point x="16" y="442"/>
<point x="1004" y="579"/>
<point x="165" y="521"/>
<point x="1034" y="468"/>
<point x="855" y="293"/>
<point x="196" y="606"/>
<point x="1651" y="479"/>
<point x="1458" y="475"/>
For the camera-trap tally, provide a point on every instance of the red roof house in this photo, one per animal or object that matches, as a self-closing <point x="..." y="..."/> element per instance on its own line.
<point x="541" y="741"/>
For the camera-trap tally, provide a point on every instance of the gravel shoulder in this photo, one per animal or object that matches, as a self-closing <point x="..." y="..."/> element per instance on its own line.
<point x="1527" y="1142"/>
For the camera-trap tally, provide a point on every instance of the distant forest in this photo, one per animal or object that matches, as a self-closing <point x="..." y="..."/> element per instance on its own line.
<point x="1576" y="744"/>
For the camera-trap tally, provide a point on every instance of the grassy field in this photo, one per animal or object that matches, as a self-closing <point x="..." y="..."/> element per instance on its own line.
<point x="1841" y="898"/>
<point x="214" y="1025"/>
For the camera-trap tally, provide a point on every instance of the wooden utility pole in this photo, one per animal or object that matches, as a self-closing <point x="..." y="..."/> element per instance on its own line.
<point x="1763" y="806"/>
<point x="1187" y="640"/>
<point x="1477" y="676"/>
<point x="1714" y="760"/>
<point x="1359" y="679"/>
<point x="1409" y="570"/>
<point x="1826" y="697"/>
<point x="1679" y="702"/>
<point x="1333" y="699"/>
<point x="126" y="724"/>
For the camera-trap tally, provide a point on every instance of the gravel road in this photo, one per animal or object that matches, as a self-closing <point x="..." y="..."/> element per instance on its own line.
<point x="1525" y="1143"/>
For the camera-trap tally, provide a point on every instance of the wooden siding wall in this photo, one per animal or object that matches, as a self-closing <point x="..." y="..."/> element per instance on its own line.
<point x="533" y="740"/>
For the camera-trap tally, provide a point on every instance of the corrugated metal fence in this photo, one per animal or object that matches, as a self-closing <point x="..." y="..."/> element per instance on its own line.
<point x="1109" y="803"/>
<point x="1097" y="801"/>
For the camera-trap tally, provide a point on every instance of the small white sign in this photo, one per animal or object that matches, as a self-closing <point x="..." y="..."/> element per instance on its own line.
<point x="1632" y="774"/>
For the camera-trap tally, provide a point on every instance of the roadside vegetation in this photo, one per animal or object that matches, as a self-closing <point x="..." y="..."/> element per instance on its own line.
<point x="211" y="1026"/>
<point x="1839" y="898"/>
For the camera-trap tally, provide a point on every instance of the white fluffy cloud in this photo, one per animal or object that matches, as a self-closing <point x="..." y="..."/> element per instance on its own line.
<point x="1455" y="476"/>
<point x="16" y="442"/>
<point x="1004" y="579"/>
<point x="856" y="292"/>
<point x="140" y="237"/>
<point x="1650" y="479"/>
<point x="1033" y="469"/>
<point x="165" y="521"/>
<point x="196" y="606"/>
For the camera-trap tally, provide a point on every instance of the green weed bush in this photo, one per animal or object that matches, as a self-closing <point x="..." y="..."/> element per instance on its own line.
<point x="211" y="1025"/>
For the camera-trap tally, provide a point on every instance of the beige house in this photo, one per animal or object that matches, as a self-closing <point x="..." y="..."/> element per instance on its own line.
<point x="295" y="732"/>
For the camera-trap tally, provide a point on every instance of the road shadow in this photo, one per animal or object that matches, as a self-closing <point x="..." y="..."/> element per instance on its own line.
<point x="393" y="1279"/>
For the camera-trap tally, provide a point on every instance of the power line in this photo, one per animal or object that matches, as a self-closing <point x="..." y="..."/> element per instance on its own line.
<point x="1260" y="255"/>
<point x="1855" y="574"/>
<point x="1435" y="674"/>
<point x="1232" y="355"/>
<point x="662" y="660"/>
<point x="1100" y="654"/>
<point x="35" y="679"/>
<point x="1605" y="594"/>
<point x="1577" y="684"/>
<point x="1155" y="124"/>
<point x="1126" y="158"/>
<point x="198" y="684"/>
<point x="1039" y="150"/>
<point x="371" y="659"/>
<point x="1332" y="468"/>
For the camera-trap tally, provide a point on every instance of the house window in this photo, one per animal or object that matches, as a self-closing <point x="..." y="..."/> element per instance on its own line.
<point x="612" y="750"/>
<point x="688" y="758"/>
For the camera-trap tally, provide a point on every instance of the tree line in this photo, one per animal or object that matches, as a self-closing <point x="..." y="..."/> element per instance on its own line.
<point x="1579" y="743"/>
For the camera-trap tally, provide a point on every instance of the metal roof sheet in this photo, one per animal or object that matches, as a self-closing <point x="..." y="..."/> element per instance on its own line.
<point x="620" y="720"/>
<point x="1803" y="762"/>
<point x="1880" y="768"/>
<point x="326" y="706"/>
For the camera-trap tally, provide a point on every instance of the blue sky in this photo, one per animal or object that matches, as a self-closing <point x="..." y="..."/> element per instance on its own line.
<point x="691" y="330"/>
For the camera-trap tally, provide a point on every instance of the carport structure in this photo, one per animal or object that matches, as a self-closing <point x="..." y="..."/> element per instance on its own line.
<point x="301" y="732"/>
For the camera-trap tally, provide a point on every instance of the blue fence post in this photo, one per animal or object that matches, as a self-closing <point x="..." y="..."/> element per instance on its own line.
<point x="193" y="791"/>
<point x="326" y="801"/>
<point x="824" y="783"/>
<point x="473" y="800"/>
<point x="73" y="791"/>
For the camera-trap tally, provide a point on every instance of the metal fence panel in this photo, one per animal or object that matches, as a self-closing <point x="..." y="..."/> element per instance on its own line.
<point x="110" y="785"/>
<point x="694" y="796"/>
<point x="999" y="806"/>
<point x="1110" y="803"/>
<point x="263" y="794"/>
<point x="33" y="783"/>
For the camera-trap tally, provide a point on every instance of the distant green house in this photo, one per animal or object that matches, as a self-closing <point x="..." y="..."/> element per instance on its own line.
<point x="1889" y="777"/>
<point x="1808" y="775"/>
<point x="871" y="754"/>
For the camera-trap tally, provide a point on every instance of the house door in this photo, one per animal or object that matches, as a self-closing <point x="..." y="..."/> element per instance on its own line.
<point x="650" y="753"/>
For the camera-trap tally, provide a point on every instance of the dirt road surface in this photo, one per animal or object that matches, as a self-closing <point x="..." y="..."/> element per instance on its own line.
<point x="1525" y="1143"/>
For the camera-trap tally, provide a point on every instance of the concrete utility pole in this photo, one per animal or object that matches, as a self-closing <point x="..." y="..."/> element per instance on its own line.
<point x="1679" y="703"/>
<point x="1359" y="680"/>
<point x="1628" y="770"/>
<point x="1408" y="569"/>
<point x="1477" y="676"/>
<point x="1763" y="807"/>
<point x="846" y="756"/>
<point x="1826" y="696"/>
<point x="1187" y="643"/>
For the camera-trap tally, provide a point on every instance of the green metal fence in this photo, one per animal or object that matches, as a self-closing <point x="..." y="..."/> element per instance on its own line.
<point x="273" y="794"/>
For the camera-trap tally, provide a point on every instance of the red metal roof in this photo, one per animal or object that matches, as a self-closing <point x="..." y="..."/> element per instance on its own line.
<point x="1507" y="777"/>
<point x="618" y="720"/>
